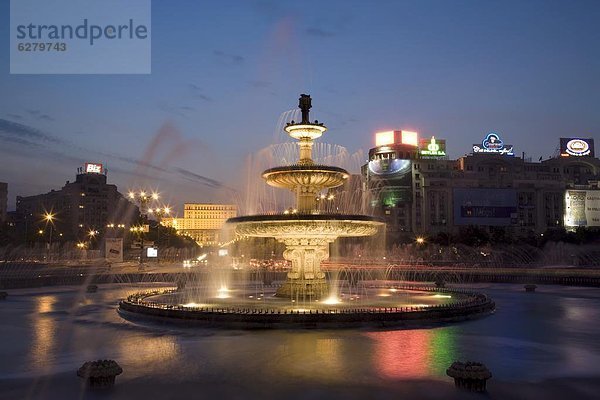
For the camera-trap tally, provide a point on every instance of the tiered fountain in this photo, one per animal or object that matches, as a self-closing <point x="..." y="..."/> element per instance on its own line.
<point x="305" y="299"/>
<point x="305" y="232"/>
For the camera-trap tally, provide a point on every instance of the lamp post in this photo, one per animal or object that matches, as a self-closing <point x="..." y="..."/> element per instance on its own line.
<point x="143" y="198"/>
<point x="92" y="234"/>
<point x="160" y="212"/>
<point x="139" y="230"/>
<point x="49" y="218"/>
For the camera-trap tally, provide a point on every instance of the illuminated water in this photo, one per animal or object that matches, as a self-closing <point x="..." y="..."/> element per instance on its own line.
<point x="48" y="333"/>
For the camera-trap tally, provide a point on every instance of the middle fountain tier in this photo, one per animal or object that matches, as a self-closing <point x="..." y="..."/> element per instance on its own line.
<point x="305" y="232"/>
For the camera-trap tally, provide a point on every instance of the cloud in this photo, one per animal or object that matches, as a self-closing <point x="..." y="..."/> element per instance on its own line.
<point x="174" y="110"/>
<point x="27" y="138"/>
<point x="198" y="178"/>
<point x="13" y="129"/>
<point x="38" y="115"/>
<point x="15" y="116"/>
<point x="318" y="32"/>
<point x="228" y="58"/>
<point x="198" y="93"/>
<point x="260" y="84"/>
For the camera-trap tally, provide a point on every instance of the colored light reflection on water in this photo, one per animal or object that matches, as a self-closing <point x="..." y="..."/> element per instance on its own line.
<point x="411" y="354"/>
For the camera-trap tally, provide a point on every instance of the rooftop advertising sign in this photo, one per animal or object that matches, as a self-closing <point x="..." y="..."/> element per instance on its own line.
<point x="576" y="147"/>
<point x="93" y="168"/>
<point x="432" y="147"/>
<point x="493" y="144"/>
<point x="396" y="137"/>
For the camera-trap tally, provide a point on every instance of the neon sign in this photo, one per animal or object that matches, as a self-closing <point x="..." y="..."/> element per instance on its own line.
<point x="576" y="147"/>
<point x="493" y="144"/>
<point x="92" y="168"/>
<point x="432" y="147"/>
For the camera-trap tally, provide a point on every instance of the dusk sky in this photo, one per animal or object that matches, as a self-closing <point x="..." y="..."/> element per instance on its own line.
<point x="223" y="72"/>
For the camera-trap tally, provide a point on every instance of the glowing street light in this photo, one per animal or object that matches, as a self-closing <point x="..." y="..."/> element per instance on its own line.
<point x="420" y="240"/>
<point x="143" y="197"/>
<point x="49" y="218"/>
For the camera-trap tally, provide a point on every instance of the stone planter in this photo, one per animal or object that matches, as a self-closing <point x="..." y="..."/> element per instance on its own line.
<point x="100" y="373"/>
<point x="530" y="288"/>
<point x="471" y="376"/>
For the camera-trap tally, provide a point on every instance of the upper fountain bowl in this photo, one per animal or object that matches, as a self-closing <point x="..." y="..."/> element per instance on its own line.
<point x="305" y="131"/>
<point x="315" y="176"/>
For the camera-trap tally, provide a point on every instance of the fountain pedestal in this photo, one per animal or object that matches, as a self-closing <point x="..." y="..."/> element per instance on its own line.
<point x="305" y="281"/>
<point x="307" y="239"/>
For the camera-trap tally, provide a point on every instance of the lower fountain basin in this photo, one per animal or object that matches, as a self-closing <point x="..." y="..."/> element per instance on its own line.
<point x="377" y="306"/>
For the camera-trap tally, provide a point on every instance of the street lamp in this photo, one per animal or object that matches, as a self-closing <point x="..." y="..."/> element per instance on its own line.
<point x="49" y="218"/>
<point x="420" y="240"/>
<point x="139" y="231"/>
<point x="160" y="212"/>
<point x="143" y="198"/>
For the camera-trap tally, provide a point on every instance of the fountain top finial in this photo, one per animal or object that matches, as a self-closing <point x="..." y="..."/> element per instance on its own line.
<point x="305" y="105"/>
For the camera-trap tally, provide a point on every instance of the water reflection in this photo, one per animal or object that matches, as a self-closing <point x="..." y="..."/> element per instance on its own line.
<point x="412" y="353"/>
<point x="310" y="356"/>
<point x="44" y="331"/>
<point x="148" y="354"/>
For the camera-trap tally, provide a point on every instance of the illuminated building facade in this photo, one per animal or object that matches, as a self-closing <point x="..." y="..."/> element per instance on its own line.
<point x="203" y="221"/>
<point x="388" y="180"/>
<point x="88" y="203"/>
<point x="423" y="192"/>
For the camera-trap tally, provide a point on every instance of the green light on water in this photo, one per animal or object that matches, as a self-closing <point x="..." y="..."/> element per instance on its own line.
<point x="442" y="350"/>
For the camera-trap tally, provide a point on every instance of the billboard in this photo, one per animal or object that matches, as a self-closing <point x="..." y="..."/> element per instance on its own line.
<point x="396" y="137"/>
<point x="582" y="208"/>
<point x="483" y="206"/>
<point x="93" y="168"/>
<point x="432" y="148"/>
<point x="493" y="144"/>
<point x="113" y="249"/>
<point x="576" y="147"/>
<point x="390" y="180"/>
<point x="151" y="252"/>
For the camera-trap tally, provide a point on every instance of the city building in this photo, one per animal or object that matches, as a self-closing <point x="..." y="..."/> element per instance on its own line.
<point x="202" y="221"/>
<point x="87" y="204"/>
<point x="417" y="190"/>
<point x="3" y="201"/>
